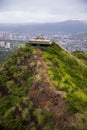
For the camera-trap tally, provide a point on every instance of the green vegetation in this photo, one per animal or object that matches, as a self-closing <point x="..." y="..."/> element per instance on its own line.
<point x="70" y="75"/>
<point x="81" y="55"/>
<point x="19" y="74"/>
<point x="15" y="80"/>
<point x="17" y="111"/>
<point x="5" y="54"/>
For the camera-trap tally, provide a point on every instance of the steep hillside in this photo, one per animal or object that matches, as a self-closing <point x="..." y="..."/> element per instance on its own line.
<point x="43" y="90"/>
<point x="81" y="55"/>
<point x="69" y="74"/>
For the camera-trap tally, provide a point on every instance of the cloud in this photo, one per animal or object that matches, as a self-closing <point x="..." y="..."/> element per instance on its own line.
<point x="42" y="10"/>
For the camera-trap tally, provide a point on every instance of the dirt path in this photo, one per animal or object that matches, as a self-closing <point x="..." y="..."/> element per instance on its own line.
<point x="44" y="94"/>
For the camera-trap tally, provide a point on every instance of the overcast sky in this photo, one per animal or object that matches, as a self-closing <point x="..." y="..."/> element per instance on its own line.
<point x="24" y="11"/>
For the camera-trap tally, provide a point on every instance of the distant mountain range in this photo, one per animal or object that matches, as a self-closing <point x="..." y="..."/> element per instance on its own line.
<point x="70" y="26"/>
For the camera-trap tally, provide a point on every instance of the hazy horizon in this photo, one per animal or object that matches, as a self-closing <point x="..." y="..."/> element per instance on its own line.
<point x="31" y="23"/>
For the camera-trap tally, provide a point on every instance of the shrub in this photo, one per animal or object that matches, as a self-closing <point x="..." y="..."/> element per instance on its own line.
<point x="39" y="116"/>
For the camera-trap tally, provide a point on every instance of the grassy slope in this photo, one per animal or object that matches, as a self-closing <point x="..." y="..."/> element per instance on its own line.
<point x="17" y="111"/>
<point x="69" y="75"/>
<point x="81" y="55"/>
<point x="66" y="72"/>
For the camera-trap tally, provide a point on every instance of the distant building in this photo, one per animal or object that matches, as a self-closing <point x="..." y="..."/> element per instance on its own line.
<point x="40" y="41"/>
<point x="8" y="45"/>
<point x="2" y="43"/>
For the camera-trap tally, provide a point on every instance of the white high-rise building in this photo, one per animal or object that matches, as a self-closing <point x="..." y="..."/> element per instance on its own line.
<point x="8" y="45"/>
<point x="2" y="43"/>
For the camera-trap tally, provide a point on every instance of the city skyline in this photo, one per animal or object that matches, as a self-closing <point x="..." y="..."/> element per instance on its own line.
<point x="21" y="11"/>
